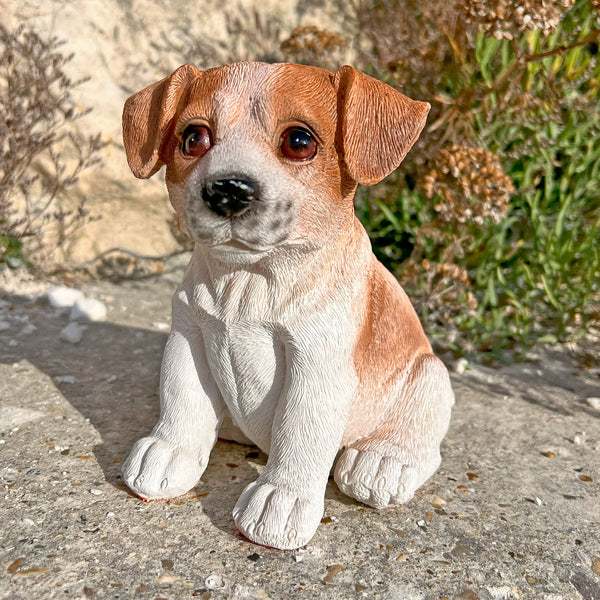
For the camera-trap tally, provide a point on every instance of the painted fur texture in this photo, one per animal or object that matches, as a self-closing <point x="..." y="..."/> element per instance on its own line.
<point x="285" y="323"/>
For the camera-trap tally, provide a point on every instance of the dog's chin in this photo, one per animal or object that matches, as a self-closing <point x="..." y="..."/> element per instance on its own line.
<point x="236" y="252"/>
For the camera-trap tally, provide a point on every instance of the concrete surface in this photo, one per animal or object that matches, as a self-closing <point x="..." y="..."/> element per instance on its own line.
<point x="514" y="511"/>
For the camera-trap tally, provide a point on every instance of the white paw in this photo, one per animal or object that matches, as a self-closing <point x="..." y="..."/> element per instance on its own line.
<point x="379" y="478"/>
<point x="276" y="516"/>
<point x="157" y="469"/>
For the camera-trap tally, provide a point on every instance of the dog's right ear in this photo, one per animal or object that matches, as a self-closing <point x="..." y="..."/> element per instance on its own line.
<point x="148" y="119"/>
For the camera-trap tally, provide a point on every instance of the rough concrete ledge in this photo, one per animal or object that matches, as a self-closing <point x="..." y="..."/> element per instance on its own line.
<point x="514" y="511"/>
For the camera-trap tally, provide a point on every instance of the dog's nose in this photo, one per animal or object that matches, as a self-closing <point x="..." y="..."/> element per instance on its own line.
<point x="228" y="197"/>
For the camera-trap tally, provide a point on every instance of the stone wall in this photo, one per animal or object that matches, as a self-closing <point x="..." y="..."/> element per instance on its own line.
<point x="124" y="45"/>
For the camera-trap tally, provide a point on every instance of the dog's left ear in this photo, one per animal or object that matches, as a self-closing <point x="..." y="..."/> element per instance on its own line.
<point x="377" y="125"/>
<point x="148" y="117"/>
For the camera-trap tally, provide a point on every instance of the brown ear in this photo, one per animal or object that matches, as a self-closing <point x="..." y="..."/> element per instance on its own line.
<point x="148" y="117"/>
<point x="377" y="125"/>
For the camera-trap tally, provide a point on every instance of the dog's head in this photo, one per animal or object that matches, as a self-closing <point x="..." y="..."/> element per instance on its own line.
<point x="264" y="155"/>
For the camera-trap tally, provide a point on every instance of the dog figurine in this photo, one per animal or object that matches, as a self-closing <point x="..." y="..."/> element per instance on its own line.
<point x="285" y="323"/>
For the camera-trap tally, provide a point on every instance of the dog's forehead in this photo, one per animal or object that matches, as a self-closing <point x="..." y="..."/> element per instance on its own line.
<point x="267" y="93"/>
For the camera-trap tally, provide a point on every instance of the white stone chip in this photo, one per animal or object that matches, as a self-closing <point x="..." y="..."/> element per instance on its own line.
<point x="214" y="582"/>
<point x="72" y="333"/>
<point x="90" y="309"/>
<point x="63" y="297"/>
<point x="593" y="402"/>
<point x="461" y="365"/>
<point x="65" y="379"/>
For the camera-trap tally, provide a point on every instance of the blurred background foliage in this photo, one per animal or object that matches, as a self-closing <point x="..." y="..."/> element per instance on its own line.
<point x="495" y="230"/>
<point x="492" y="223"/>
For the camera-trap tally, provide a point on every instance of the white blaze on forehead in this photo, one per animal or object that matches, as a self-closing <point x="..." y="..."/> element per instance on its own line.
<point x="242" y="92"/>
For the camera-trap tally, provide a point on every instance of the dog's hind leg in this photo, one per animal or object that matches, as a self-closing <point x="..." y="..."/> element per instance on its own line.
<point x="387" y="466"/>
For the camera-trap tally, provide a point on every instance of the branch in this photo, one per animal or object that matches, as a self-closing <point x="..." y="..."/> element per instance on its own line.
<point x="122" y="251"/>
<point x="527" y="58"/>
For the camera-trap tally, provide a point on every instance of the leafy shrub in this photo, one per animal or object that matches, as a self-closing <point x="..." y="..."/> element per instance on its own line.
<point x="40" y="157"/>
<point x="496" y="232"/>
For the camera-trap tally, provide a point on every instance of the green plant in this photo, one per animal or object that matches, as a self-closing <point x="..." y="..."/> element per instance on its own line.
<point x="526" y="105"/>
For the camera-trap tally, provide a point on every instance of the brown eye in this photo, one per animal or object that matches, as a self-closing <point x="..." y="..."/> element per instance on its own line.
<point x="298" y="143"/>
<point x="196" y="141"/>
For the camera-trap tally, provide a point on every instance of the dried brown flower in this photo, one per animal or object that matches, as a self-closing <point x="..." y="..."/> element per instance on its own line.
<point x="312" y="39"/>
<point x="471" y="185"/>
<point x="510" y="18"/>
<point x="441" y="291"/>
<point x="310" y="45"/>
<point x="41" y="158"/>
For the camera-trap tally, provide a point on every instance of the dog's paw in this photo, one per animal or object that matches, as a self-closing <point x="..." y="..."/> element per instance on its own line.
<point x="382" y="475"/>
<point x="276" y="516"/>
<point x="157" y="469"/>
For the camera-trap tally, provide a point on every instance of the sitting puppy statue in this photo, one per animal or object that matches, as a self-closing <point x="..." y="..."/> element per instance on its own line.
<point x="285" y="323"/>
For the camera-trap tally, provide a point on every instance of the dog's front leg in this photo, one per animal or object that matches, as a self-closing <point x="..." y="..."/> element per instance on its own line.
<point x="284" y="506"/>
<point x="170" y="461"/>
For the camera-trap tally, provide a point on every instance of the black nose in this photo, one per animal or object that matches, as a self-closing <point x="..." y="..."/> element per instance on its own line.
<point x="228" y="197"/>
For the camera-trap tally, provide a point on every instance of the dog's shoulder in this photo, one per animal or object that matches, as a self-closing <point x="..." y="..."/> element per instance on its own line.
<point x="390" y="334"/>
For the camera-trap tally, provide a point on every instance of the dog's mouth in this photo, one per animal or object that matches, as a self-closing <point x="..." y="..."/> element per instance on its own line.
<point x="237" y="247"/>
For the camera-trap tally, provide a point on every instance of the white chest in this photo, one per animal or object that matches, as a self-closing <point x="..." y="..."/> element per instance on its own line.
<point x="248" y="364"/>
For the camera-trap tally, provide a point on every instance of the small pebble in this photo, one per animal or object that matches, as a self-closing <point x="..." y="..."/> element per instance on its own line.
<point x="332" y="572"/>
<point x="88" y="308"/>
<point x="593" y="402"/>
<point x="96" y="492"/>
<point x="214" y="582"/>
<point x="579" y="438"/>
<point x="65" y="379"/>
<point x="254" y="557"/>
<point x="438" y="502"/>
<point x="28" y="522"/>
<point x="538" y="501"/>
<point x="596" y="565"/>
<point x="110" y="514"/>
<point x="28" y="329"/>
<point x="63" y="297"/>
<point x="461" y="365"/>
<point x="72" y="333"/>
<point x="160" y="325"/>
